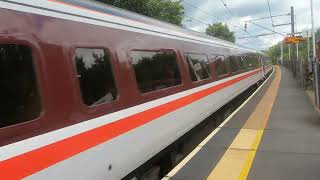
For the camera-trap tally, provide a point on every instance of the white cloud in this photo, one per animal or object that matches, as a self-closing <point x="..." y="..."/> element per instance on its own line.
<point x="244" y="10"/>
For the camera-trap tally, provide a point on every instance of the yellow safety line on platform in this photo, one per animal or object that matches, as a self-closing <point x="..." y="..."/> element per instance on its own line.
<point x="246" y="169"/>
<point x="237" y="160"/>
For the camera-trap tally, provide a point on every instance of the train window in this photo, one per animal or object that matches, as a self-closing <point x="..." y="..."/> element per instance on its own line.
<point x="258" y="57"/>
<point x="233" y="61"/>
<point x="219" y="63"/>
<point x="241" y="63"/>
<point x="198" y="65"/>
<point x="155" y="70"/>
<point x="19" y="93"/>
<point x="252" y="61"/>
<point x="95" y="76"/>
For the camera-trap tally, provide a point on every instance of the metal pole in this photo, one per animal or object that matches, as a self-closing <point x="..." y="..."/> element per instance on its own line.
<point x="308" y="49"/>
<point x="297" y="48"/>
<point x="289" y="47"/>
<point x="293" y="34"/>
<point x="297" y="44"/>
<point x="314" y="56"/>
<point x="308" y="46"/>
<point x="292" y="21"/>
<point x="297" y="60"/>
<point x="281" y="47"/>
<point x="292" y="29"/>
<point x="313" y="32"/>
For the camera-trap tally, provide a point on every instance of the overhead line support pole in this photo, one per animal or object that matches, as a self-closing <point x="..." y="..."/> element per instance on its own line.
<point x="292" y="20"/>
<point x="292" y="35"/>
<point x="316" y="66"/>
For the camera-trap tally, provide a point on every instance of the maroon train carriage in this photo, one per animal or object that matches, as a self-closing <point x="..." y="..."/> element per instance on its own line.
<point x="93" y="92"/>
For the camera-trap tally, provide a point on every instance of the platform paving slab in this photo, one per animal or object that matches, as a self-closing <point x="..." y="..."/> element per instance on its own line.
<point x="290" y="147"/>
<point x="200" y="166"/>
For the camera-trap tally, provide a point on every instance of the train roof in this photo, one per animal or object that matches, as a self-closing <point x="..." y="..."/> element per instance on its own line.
<point x="98" y="6"/>
<point x="122" y="19"/>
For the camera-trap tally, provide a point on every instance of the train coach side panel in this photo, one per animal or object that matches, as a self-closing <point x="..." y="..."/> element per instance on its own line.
<point x="121" y="155"/>
<point x="72" y="145"/>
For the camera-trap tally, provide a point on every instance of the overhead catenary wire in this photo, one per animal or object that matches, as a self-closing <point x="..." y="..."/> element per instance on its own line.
<point x="269" y="7"/>
<point x="232" y="15"/>
<point x="288" y="14"/>
<point x="201" y="22"/>
<point x="267" y="28"/>
<point x="209" y="14"/>
<point x="203" y="11"/>
<point x="240" y="28"/>
<point x="226" y="6"/>
<point x="192" y="18"/>
<point x="217" y="18"/>
<point x="255" y="36"/>
<point x="270" y="13"/>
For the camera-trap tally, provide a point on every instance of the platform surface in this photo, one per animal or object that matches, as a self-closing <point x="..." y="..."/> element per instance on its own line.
<point x="275" y="135"/>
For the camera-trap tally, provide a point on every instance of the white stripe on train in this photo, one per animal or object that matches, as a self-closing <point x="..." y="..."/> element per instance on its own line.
<point x="130" y="150"/>
<point x="33" y="143"/>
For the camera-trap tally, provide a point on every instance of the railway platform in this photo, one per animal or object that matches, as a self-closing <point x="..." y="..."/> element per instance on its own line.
<point x="274" y="135"/>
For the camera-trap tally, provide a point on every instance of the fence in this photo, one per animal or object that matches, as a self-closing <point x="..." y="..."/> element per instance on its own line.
<point x="301" y="71"/>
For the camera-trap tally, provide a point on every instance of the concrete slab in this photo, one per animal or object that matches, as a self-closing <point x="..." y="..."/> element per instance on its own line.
<point x="290" y="147"/>
<point x="293" y="109"/>
<point x="223" y="138"/>
<point x="291" y="142"/>
<point x="200" y="166"/>
<point x="231" y="165"/>
<point x="285" y="166"/>
<point x="242" y="116"/>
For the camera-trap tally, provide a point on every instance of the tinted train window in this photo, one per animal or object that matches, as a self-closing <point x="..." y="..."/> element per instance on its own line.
<point x="252" y="61"/>
<point x="198" y="66"/>
<point x="220" y="65"/>
<point x="241" y="63"/>
<point x="233" y="60"/>
<point x="19" y="93"/>
<point x="155" y="70"/>
<point x="259" y="60"/>
<point x="95" y="76"/>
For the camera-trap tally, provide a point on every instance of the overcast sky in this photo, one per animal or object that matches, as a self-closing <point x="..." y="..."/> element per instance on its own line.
<point x="242" y="10"/>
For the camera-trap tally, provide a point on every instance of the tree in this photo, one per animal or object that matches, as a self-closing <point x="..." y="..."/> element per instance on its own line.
<point x="165" y="10"/>
<point x="220" y="31"/>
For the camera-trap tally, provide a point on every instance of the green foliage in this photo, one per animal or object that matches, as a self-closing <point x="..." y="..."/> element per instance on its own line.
<point x="220" y="31"/>
<point x="165" y="10"/>
<point x="275" y="52"/>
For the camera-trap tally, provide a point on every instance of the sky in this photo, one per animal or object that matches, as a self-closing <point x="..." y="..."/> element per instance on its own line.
<point x="213" y="11"/>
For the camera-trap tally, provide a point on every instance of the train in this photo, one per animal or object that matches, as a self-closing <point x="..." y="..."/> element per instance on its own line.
<point x="90" y="91"/>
